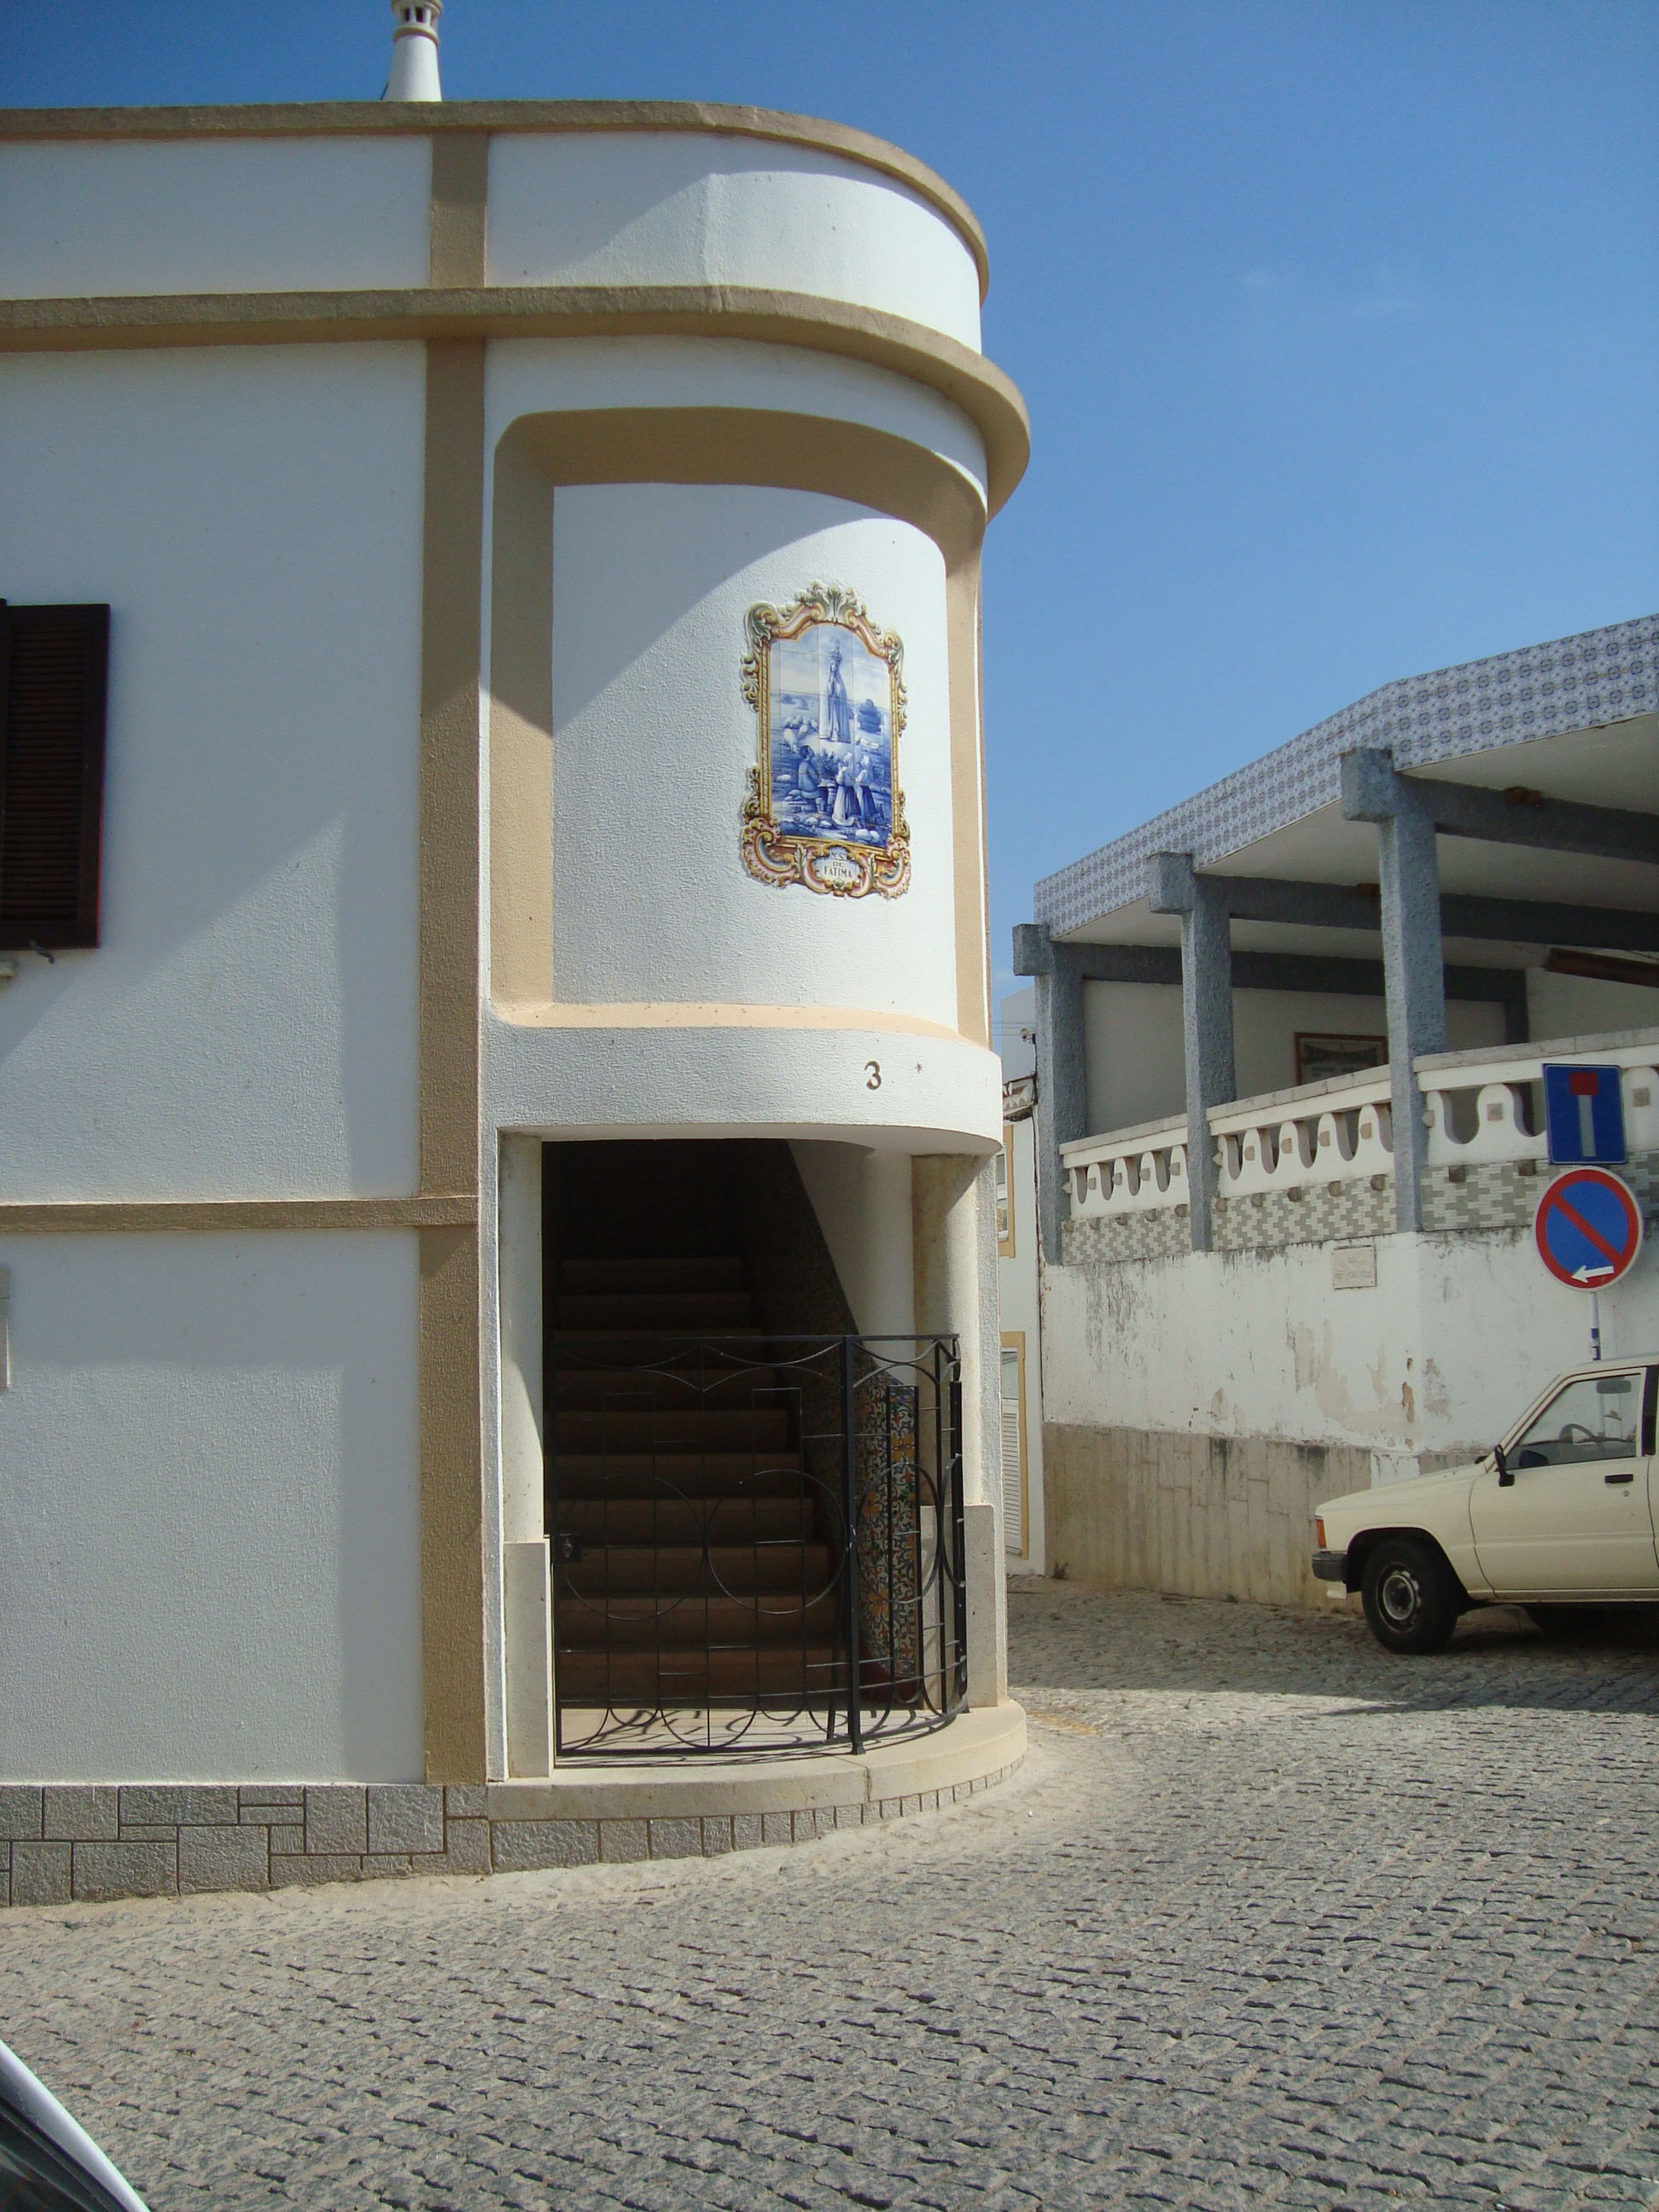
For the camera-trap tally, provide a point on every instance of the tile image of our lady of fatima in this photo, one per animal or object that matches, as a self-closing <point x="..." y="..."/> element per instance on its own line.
<point x="824" y="809"/>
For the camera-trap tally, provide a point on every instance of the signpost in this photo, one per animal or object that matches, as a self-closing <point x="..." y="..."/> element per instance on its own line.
<point x="1587" y="1229"/>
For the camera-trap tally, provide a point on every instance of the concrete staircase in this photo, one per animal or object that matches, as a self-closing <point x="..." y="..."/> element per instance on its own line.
<point x="692" y="1560"/>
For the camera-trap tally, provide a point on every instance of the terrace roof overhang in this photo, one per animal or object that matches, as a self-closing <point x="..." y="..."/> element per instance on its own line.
<point x="1568" y="725"/>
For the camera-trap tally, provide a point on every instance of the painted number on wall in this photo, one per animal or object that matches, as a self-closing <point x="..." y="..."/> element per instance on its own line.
<point x="872" y="1075"/>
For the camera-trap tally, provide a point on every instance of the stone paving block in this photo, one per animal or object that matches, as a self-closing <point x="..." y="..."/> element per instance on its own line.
<point x="748" y="1832"/>
<point x="103" y="1871"/>
<point x="176" y="1804"/>
<point x="20" y="1811"/>
<point x="777" y="1828"/>
<point x="386" y="1866"/>
<point x="466" y="1846"/>
<point x="676" y="1839"/>
<point x="336" y="1820"/>
<point x="519" y="1845"/>
<point x="405" y="1816"/>
<point x="78" y="1812"/>
<point x="5" y="1877"/>
<point x="716" y="1835"/>
<point x="466" y="1801"/>
<point x="621" y="1841"/>
<point x="223" y="1857"/>
<point x="290" y="1841"/>
<point x="309" y="1870"/>
<point x="40" y="1874"/>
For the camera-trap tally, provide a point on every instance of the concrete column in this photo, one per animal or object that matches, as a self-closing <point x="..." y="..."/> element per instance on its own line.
<point x="527" y="1597"/>
<point x="1414" y="970"/>
<point x="1062" y="1107"/>
<point x="955" y="1243"/>
<point x="1174" y="886"/>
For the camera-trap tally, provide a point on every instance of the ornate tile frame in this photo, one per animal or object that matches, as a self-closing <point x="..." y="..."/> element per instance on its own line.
<point x="838" y="865"/>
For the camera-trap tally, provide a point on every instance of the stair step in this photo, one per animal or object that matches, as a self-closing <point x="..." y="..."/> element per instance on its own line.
<point x="680" y="1521"/>
<point x="706" y="1384"/>
<point x="613" y="1623"/>
<point x="694" y="1311"/>
<point x="615" y="1275"/>
<point x="778" y="1567"/>
<point x="576" y="1348"/>
<point x="695" y="1678"/>
<point x="672" y="1429"/>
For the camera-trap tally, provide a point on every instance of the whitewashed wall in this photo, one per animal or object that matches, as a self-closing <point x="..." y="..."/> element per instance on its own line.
<point x="1019" y="1281"/>
<point x="1131" y="1040"/>
<point x="210" y="1533"/>
<point x="650" y="585"/>
<point x="78" y="218"/>
<point x="248" y="1027"/>
<point x="1458" y="1334"/>
<point x="685" y="208"/>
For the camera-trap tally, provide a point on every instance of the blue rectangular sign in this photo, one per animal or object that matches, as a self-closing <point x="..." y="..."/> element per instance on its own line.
<point x="1583" y="1114"/>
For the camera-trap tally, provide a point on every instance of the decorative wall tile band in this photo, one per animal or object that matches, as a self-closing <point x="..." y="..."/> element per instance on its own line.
<point x="64" y="1845"/>
<point x="1578" y="682"/>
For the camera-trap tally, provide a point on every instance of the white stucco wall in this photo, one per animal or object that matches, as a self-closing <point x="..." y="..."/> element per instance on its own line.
<point x="651" y="584"/>
<point x="862" y="1198"/>
<point x="247" y="1026"/>
<point x="687" y="208"/>
<point x="82" y="217"/>
<point x="1132" y="1034"/>
<point x="1018" y="1274"/>
<point x="1578" y="1006"/>
<point x="1458" y="1334"/>
<point x="210" y="1535"/>
<point x="535" y="376"/>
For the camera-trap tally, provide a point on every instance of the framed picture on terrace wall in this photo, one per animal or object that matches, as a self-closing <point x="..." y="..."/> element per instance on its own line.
<point x="1321" y="1054"/>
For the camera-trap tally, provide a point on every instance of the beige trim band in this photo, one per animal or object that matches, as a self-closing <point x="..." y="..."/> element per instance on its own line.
<point x="403" y="118"/>
<point x="684" y="1014"/>
<point x="230" y="1217"/>
<point x="989" y="398"/>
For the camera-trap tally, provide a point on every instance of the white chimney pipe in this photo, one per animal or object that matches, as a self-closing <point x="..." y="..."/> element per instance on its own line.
<point x="414" y="51"/>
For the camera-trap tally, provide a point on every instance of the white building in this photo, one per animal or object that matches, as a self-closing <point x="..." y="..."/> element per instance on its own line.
<point x="481" y="941"/>
<point x="1287" y="1186"/>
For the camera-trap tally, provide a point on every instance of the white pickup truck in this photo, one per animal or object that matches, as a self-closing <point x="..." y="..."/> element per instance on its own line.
<point x="1557" y="1517"/>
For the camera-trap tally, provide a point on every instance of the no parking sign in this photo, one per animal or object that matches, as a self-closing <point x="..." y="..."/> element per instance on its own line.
<point x="1588" y="1228"/>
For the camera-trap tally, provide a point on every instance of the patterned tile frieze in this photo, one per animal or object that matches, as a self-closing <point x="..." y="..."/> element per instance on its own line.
<point x="1575" y="683"/>
<point x="1492" y="1194"/>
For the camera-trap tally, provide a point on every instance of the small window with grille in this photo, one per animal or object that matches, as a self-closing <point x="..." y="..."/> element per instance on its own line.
<point x="54" y="664"/>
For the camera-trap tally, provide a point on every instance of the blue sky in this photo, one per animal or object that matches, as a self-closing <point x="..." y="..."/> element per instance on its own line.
<point x="1339" y="319"/>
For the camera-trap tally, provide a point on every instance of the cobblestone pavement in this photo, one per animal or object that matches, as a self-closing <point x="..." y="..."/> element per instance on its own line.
<point x="1268" y="1919"/>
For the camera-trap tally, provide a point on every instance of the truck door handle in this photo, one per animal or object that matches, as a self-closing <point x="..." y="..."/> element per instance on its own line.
<point x="1629" y="1476"/>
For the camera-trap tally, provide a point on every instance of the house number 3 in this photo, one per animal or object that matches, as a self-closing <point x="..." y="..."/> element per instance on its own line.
<point x="872" y="1075"/>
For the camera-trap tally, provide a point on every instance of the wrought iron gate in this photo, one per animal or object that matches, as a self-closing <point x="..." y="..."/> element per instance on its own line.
<point x="757" y="1546"/>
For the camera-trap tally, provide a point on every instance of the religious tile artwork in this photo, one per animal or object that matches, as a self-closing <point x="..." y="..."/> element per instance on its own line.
<point x="824" y="809"/>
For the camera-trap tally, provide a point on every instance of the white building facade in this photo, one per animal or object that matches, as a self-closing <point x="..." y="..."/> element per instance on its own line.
<point x="431" y="462"/>
<point x="1291" y="1037"/>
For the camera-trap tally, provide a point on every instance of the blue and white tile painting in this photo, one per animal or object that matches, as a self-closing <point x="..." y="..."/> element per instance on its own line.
<point x="830" y="725"/>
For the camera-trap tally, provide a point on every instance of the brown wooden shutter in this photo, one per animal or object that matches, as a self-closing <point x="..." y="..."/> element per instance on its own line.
<point x="54" y="665"/>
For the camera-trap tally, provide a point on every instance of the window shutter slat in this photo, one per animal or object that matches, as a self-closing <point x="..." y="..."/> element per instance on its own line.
<point x="52" y="774"/>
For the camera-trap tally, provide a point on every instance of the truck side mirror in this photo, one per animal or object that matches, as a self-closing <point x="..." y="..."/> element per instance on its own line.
<point x="1505" y="1473"/>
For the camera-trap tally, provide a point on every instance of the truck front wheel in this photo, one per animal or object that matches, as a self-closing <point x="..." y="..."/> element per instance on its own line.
<point x="1411" y="1596"/>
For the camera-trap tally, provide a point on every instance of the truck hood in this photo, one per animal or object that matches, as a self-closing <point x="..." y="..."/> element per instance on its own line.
<point x="1344" y="1516"/>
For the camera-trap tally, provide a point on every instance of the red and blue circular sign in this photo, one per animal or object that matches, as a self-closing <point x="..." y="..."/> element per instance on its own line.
<point x="1588" y="1228"/>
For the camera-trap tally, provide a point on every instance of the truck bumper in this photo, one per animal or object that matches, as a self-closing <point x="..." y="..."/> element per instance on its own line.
<point x="1331" y="1566"/>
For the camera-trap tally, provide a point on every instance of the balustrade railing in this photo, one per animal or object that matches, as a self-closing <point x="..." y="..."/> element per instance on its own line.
<point x="1480" y="1107"/>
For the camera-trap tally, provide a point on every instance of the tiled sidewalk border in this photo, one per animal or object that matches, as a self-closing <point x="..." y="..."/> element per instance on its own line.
<point x="68" y="1843"/>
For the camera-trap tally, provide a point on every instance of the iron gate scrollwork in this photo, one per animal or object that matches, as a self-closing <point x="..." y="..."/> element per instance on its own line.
<point x="756" y="1547"/>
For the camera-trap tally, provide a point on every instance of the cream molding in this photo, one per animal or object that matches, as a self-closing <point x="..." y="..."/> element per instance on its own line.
<point x="377" y="118"/>
<point x="989" y="398"/>
<point x="231" y="1216"/>
<point x="687" y="1014"/>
